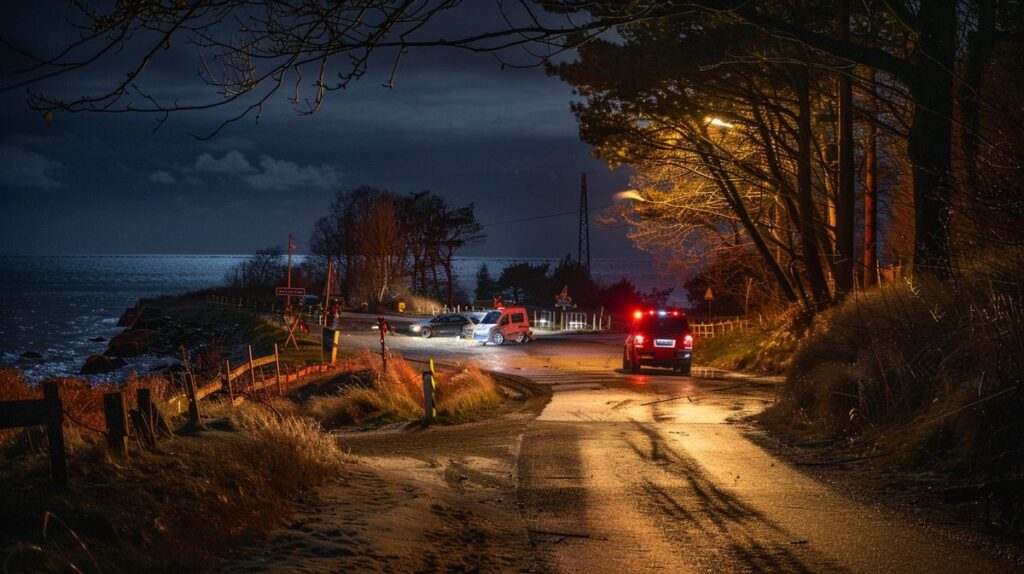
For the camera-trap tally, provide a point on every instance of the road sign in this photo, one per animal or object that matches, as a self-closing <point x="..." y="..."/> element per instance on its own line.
<point x="290" y="291"/>
<point x="708" y="295"/>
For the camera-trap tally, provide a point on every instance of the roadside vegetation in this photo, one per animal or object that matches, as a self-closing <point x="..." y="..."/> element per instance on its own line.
<point x="176" y="507"/>
<point x="766" y="349"/>
<point x="922" y="372"/>
<point x="367" y="395"/>
<point x="181" y="505"/>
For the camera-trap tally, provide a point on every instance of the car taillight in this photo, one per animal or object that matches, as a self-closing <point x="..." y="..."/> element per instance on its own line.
<point x="688" y="342"/>
<point x="638" y="340"/>
<point x="638" y="315"/>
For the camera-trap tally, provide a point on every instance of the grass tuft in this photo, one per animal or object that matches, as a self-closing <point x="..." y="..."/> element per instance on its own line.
<point x="373" y="397"/>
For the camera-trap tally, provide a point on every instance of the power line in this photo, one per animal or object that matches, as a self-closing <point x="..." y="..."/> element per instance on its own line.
<point x="547" y="216"/>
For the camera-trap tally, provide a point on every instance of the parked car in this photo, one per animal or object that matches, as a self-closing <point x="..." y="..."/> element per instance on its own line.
<point x="659" y="338"/>
<point x="445" y="324"/>
<point x="474" y="319"/>
<point x="500" y="325"/>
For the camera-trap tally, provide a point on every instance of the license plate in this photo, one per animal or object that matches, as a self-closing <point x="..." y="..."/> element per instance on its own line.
<point x="480" y="336"/>
<point x="664" y="342"/>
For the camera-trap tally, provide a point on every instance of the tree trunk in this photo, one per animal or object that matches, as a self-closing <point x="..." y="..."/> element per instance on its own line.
<point x="448" y="277"/>
<point x="870" y="276"/>
<point x="930" y="139"/>
<point x="809" y="248"/>
<point x="731" y="196"/>
<point x="845" y="197"/>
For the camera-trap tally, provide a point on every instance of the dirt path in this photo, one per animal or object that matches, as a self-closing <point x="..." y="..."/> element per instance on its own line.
<point x="441" y="499"/>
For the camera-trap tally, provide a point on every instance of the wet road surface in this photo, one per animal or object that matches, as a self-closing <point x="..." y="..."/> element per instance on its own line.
<point x="652" y="472"/>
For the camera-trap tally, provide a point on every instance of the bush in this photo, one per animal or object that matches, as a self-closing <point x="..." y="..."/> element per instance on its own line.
<point x="175" y="508"/>
<point x="924" y="368"/>
<point x="466" y="395"/>
<point x="375" y="397"/>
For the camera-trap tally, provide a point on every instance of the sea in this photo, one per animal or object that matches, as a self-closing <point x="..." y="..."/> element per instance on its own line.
<point x="65" y="308"/>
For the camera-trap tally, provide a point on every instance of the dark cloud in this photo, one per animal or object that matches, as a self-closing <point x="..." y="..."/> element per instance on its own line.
<point x="233" y="162"/>
<point x="23" y="168"/>
<point x="455" y="123"/>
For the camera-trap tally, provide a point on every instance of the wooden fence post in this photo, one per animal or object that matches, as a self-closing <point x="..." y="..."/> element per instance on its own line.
<point x="144" y="399"/>
<point x="117" y="420"/>
<point x="252" y="371"/>
<point x="227" y="382"/>
<point x="55" y="434"/>
<point x="277" y="371"/>
<point x="193" y="400"/>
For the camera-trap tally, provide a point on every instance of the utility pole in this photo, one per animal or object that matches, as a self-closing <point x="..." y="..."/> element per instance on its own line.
<point x="327" y="291"/>
<point x="291" y="246"/>
<point x="583" y="246"/>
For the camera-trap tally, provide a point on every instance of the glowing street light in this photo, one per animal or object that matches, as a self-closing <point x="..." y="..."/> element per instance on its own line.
<point x="629" y="194"/>
<point x="719" y="122"/>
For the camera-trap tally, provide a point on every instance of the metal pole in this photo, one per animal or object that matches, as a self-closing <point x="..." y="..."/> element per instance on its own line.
<point x="277" y="367"/>
<point x="327" y="293"/>
<point x="289" y="268"/>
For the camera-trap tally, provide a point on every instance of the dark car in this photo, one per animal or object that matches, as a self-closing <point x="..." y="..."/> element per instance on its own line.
<point x="659" y="338"/>
<point x="440" y="325"/>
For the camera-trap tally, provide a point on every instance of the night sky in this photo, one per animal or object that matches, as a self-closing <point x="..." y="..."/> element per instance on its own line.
<point x="455" y="123"/>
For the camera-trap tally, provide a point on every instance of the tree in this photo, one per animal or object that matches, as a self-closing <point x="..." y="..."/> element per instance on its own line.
<point x="723" y="151"/>
<point x="458" y="228"/>
<point x="621" y="297"/>
<point x="335" y="236"/>
<point x="486" y="286"/>
<point x="260" y="273"/>
<point x="526" y="283"/>
<point x="380" y="248"/>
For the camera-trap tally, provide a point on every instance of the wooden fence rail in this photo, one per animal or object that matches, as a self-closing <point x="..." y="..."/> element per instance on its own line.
<point x="710" y="329"/>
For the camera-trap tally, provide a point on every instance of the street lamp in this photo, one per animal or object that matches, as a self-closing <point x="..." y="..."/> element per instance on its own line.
<point x="633" y="194"/>
<point x="719" y="122"/>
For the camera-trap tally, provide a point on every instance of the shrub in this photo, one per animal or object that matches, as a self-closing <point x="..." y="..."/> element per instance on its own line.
<point x="375" y="397"/>
<point x="467" y="395"/>
<point x="929" y="369"/>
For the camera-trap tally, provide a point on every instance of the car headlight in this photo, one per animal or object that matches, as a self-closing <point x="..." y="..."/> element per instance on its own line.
<point x="415" y="327"/>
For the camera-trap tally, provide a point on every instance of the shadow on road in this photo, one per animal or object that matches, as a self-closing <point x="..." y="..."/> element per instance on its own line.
<point x="701" y="515"/>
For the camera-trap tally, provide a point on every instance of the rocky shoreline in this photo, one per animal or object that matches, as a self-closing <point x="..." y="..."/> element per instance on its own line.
<point x="152" y="328"/>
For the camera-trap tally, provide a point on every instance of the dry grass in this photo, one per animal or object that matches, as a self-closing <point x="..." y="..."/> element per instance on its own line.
<point x="927" y="370"/>
<point x="467" y="395"/>
<point x="373" y="397"/>
<point x="172" y="509"/>
<point x="82" y="402"/>
<point x="766" y="350"/>
<point x="419" y="305"/>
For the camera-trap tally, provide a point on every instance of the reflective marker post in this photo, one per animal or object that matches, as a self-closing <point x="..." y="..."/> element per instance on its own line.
<point x="429" y="387"/>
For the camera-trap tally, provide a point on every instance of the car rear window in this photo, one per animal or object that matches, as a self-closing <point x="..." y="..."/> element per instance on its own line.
<point x="663" y="325"/>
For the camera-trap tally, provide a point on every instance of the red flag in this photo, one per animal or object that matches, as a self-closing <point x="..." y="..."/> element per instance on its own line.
<point x="292" y="246"/>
